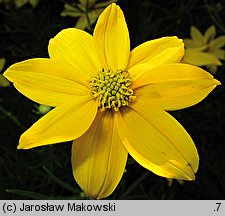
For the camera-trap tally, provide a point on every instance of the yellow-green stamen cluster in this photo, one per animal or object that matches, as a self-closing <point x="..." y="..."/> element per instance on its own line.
<point x="112" y="89"/>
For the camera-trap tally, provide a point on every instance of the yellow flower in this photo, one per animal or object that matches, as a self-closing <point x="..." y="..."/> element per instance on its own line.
<point x="204" y="50"/>
<point x="112" y="101"/>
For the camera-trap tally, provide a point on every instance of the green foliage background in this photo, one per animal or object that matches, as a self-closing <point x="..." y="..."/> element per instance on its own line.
<point x="45" y="172"/>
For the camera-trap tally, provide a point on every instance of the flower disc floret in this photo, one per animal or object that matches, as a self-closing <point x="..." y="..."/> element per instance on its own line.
<point x="112" y="89"/>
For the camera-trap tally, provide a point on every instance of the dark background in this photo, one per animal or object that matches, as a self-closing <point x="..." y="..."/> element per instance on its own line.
<point x="45" y="172"/>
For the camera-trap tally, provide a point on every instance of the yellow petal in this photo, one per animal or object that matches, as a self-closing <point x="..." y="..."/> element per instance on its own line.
<point x="218" y="42"/>
<point x="199" y="58"/>
<point x="157" y="141"/>
<point x="75" y="47"/>
<point x="64" y="123"/>
<point x="219" y="53"/>
<point x="202" y="48"/>
<point x="175" y="86"/>
<point x="197" y="36"/>
<point x="189" y="43"/>
<point x="174" y="95"/>
<point x="148" y="50"/>
<point x="171" y="72"/>
<point x="209" y="34"/>
<point x="99" y="157"/>
<point x="154" y="53"/>
<point x="47" y="82"/>
<point x="81" y="22"/>
<point x="111" y="38"/>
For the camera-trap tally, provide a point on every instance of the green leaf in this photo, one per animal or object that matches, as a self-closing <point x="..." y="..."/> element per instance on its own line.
<point x="90" y="2"/>
<point x="3" y="81"/>
<point x="20" y="3"/>
<point x="2" y="63"/>
<point x="70" y="11"/>
<point x="60" y="182"/>
<point x="34" y="2"/>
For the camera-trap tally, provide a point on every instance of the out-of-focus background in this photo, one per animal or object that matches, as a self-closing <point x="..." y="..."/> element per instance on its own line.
<point x="45" y="172"/>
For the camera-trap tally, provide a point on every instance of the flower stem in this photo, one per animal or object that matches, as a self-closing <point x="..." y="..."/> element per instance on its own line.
<point x="135" y="184"/>
<point x="11" y="117"/>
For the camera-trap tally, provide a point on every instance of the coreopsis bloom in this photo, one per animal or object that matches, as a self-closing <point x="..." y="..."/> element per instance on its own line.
<point x="204" y="50"/>
<point x="112" y="101"/>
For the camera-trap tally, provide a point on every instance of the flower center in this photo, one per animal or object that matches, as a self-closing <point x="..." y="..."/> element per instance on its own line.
<point x="112" y="89"/>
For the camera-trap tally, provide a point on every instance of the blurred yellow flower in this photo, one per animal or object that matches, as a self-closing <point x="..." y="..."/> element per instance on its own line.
<point x="3" y="81"/>
<point x="204" y="50"/>
<point x="112" y="101"/>
<point x="87" y="10"/>
<point x="20" y="3"/>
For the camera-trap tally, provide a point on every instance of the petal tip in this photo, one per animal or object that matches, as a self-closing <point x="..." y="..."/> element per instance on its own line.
<point x="6" y="74"/>
<point x="217" y="82"/>
<point x="25" y="147"/>
<point x="20" y="146"/>
<point x="23" y="144"/>
<point x="113" y="5"/>
<point x="191" y="172"/>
